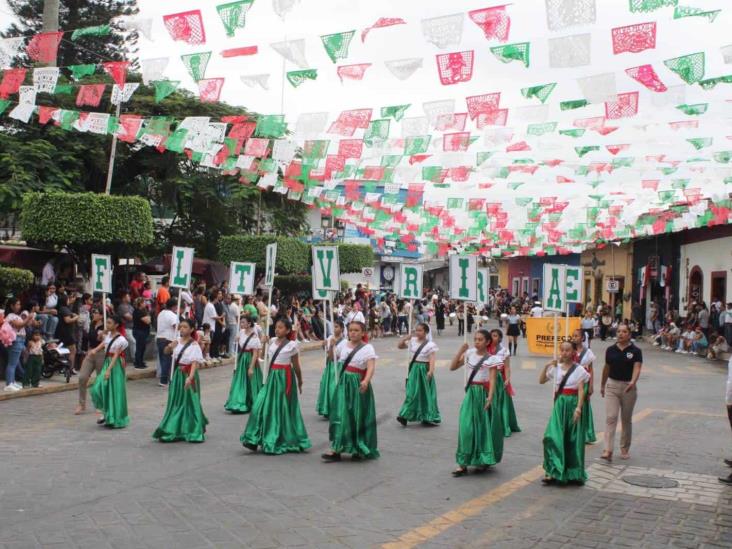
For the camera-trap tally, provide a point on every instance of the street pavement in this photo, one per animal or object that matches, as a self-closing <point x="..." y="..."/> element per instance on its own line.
<point x="66" y="482"/>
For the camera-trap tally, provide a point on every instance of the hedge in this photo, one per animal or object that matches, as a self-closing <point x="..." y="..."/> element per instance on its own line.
<point x="299" y="284"/>
<point x="293" y="255"/>
<point x="14" y="281"/>
<point x="86" y="220"/>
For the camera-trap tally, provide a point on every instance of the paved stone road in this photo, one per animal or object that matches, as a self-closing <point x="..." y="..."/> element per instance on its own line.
<point x="67" y="483"/>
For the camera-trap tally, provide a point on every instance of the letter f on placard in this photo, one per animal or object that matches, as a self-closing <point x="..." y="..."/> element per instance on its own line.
<point x="101" y="268"/>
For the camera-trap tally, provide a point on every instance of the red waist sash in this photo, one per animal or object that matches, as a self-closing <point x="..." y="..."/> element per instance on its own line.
<point x="358" y="371"/>
<point x="121" y="355"/>
<point x="186" y="369"/>
<point x="288" y="375"/>
<point x="509" y="388"/>
<point x="569" y="391"/>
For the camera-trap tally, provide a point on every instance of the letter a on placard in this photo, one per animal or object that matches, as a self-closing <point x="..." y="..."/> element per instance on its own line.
<point x="269" y="272"/>
<point x="410" y="281"/>
<point x="326" y="269"/>
<point x="464" y="277"/>
<point x="554" y="277"/>
<point x="102" y="273"/>
<point x="181" y="267"/>
<point x="241" y="278"/>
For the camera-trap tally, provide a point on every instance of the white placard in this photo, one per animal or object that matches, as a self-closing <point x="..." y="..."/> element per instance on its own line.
<point x="464" y="277"/>
<point x="181" y="267"/>
<point x="241" y="278"/>
<point x="410" y="281"/>
<point x="269" y="273"/>
<point x="326" y="269"/>
<point x="101" y="273"/>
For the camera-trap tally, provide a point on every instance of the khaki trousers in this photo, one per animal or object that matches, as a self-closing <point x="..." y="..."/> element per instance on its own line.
<point x="617" y="401"/>
<point x="91" y="363"/>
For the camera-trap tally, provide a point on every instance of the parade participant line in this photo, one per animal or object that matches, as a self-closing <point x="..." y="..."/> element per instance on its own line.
<point x="475" y="506"/>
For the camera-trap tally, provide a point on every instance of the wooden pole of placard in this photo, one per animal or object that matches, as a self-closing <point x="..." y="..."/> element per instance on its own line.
<point x="409" y="332"/>
<point x="269" y="321"/>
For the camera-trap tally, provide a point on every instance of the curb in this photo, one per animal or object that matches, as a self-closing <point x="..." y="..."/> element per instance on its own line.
<point x="132" y="375"/>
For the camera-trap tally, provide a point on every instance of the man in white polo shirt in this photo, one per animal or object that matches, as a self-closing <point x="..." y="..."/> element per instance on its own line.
<point x="167" y="331"/>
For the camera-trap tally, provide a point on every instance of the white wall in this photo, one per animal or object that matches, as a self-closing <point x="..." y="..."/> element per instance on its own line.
<point x="709" y="256"/>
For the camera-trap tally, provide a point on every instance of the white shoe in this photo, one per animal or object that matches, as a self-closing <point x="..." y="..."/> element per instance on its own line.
<point x="11" y="389"/>
<point x="678" y="351"/>
<point x="656" y="344"/>
<point x="17" y="385"/>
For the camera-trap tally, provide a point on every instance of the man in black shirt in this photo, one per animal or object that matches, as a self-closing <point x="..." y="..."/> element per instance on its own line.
<point x="623" y="363"/>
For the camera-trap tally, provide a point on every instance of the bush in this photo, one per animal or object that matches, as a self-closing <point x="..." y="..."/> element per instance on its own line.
<point x="293" y="255"/>
<point x="87" y="221"/>
<point x="14" y="281"/>
<point x="354" y="257"/>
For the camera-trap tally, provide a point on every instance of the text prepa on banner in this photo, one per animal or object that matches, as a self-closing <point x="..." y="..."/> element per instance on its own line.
<point x="181" y="267"/>
<point x="561" y="286"/>
<point x="102" y="273"/>
<point x="540" y="334"/>
<point x="269" y="272"/>
<point x="410" y="281"/>
<point x="326" y="268"/>
<point x="241" y="278"/>
<point x="464" y="277"/>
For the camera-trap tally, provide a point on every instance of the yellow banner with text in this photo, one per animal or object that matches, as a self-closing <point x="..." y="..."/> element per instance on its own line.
<point x="540" y="333"/>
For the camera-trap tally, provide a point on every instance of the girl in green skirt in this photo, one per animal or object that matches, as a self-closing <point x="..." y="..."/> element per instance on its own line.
<point x="480" y="429"/>
<point x="109" y="392"/>
<point x="420" y="401"/>
<point x="327" y="380"/>
<point x="504" y="389"/>
<point x="564" y="438"/>
<point x="585" y="358"/>
<point x="247" y="379"/>
<point x="276" y="422"/>
<point x="183" y="418"/>
<point x="352" y="411"/>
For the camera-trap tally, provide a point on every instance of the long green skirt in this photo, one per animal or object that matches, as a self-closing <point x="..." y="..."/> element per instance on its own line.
<point x="588" y="421"/>
<point x="244" y="389"/>
<point x="275" y="422"/>
<point x="352" y="418"/>
<point x="480" y="431"/>
<point x="184" y="418"/>
<point x="505" y="402"/>
<point x="564" y="443"/>
<point x="110" y="395"/>
<point x="420" y="402"/>
<point x="327" y="386"/>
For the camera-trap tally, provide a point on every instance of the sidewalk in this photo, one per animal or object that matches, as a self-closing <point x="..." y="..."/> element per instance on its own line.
<point x="57" y="383"/>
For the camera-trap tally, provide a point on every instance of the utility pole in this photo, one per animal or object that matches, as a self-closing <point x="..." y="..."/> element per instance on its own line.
<point x="50" y="20"/>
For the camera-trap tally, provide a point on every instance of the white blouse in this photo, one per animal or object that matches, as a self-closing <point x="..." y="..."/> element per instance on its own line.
<point x="359" y="360"/>
<point x="193" y="353"/>
<point x="120" y="344"/>
<point x="289" y="350"/>
<point x="472" y="358"/>
<point x="579" y="376"/>
<point x="254" y="342"/>
<point x="588" y="358"/>
<point x="330" y="343"/>
<point x="424" y="354"/>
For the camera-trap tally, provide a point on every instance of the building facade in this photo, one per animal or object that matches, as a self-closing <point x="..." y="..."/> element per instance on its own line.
<point x="607" y="275"/>
<point x="705" y="258"/>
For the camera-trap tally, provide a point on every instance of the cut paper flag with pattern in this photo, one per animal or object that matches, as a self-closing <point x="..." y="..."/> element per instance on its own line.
<point x="445" y="31"/>
<point x="43" y="47"/>
<point x="297" y="78"/>
<point x="80" y="71"/>
<point x="9" y="49"/>
<point x="634" y="38"/>
<point x="186" y="27"/>
<point x="352" y="72"/>
<point x="561" y="14"/>
<point x="163" y="88"/>
<point x="196" y="64"/>
<point x="233" y="15"/>
<point x="336" y="45"/>
<point x="690" y="11"/>
<point x="253" y="80"/>
<point x="644" y="6"/>
<point x="624" y="106"/>
<point x="455" y="67"/>
<point x="137" y="24"/>
<point x="99" y="31"/>
<point x="90" y="95"/>
<point x="117" y="70"/>
<point x="153" y="69"/>
<point x="727" y="54"/>
<point x="494" y="22"/>
<point x="283" y="7"/>
<point x="541" y="92"/>
<point x="513" y="52"/>
<point x="293" y="51"/>
<point x="45" y="79"/>
<point x="404" y="68"/>
<point x="123" y="94"/>
<point x="570" y="51"/>
<point x="690" y="68"/>
<point x="598" y="88"/>
<point x="381" y="23"/>
<point x="209" y="89"/>
<point x="648" y="77"/>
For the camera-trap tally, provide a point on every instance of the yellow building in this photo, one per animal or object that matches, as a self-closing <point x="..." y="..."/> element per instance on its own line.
<point x="502" y="272"/>
<point x="608" y="267"/>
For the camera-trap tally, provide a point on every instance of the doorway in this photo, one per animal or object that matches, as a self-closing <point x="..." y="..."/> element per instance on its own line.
<point x="719" y="286"/>
<point x="696" y="285"/>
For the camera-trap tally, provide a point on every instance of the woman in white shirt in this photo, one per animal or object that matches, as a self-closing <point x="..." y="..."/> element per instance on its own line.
<point x="585" y="358"/>
<point x="328" y="379"/>
<point x="564" y="438"/>
<point x="352" y="415"/>
<point x="109" y="392"/>
<point x="184" y="418"/>
<point x="420" y="401"/>
<point x="504" y="389"/>
<point x="276" y="422"/>
<point x="480" y="431"/>
<point x="246" y="381"/>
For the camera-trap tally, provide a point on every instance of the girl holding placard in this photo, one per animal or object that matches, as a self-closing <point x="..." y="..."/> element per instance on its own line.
<point x="420" y="401"/>
<point x="247" y="379"/>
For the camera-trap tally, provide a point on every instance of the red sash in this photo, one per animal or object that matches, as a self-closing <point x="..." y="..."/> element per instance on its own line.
<point x="186" y="369"/>
<point x="358" y="371"/>
<point x="288" y="375"/>
<point x="569" y="391"/>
